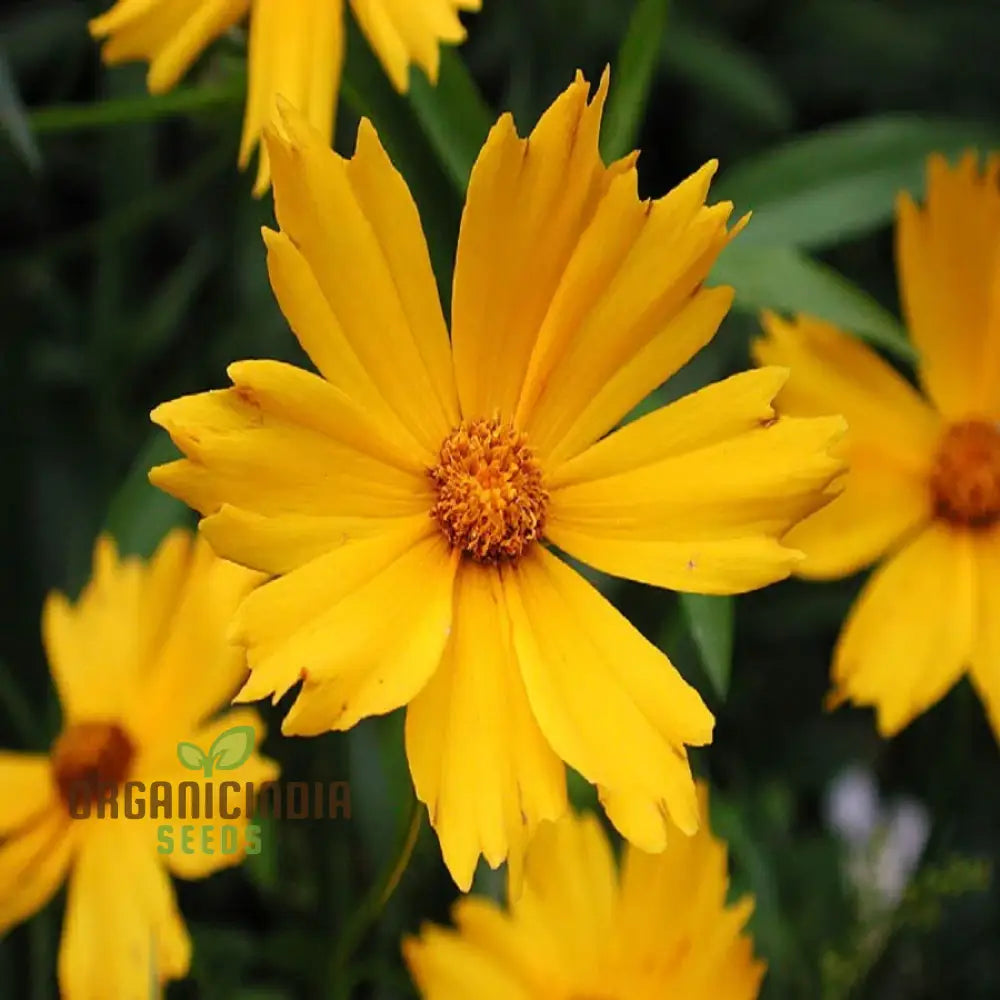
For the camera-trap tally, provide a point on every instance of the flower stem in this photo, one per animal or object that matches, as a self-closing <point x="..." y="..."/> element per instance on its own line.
<point x="372" y="905"/>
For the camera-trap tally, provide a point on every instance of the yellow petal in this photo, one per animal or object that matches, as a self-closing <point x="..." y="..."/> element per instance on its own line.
<point x="283" y="543"/>
<point x="280" y="609"/>
<point x="706" y="520"/>
<point x="27" y="789"/>
<point x="208" y="851"/>
<point x="401" y="32"/>
<point x="376" y="649"/>
<point x="248" y="450"/>
<point x="523" y="217"/>
<point x="477" y="756"/>
<point x="392" y="213"/>
<point x="171" y="34"/>
<point x="610" y="704"/>
<point x="909" y="636"/>
<point x="189" y="668"/>
<point x="94" y="647"/>
<point x="833" y="372"/>
<point x="879" y="506"/>
<point x="33" y="863"/>
<point x="570" y="890"/>
<point x="985" y="669"/>
<point x="948" y="254"/>
<point x="627" y="313"/>
<point x="673" y="898"/>
<point x="122" y="931"/>
<point x="447" y="966"/>
<point x="295" y="52"/>
<point x="708" y="416"/>
<point x="577" y="426"/>
<point x="366" y="288"/>
<point x="322" y="338"/>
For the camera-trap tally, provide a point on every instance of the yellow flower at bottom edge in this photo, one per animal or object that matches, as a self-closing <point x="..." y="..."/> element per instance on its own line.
<point x="579" y="930"/>
<point x="923" y="488"/>
<point x="140" y="664"/>
<point x="296" y="48"/>
<point x="406" y="498"/>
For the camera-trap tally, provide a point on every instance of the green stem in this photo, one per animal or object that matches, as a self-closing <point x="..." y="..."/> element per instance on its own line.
<point x="373" y="903"/>
<point x="129" y="110"/>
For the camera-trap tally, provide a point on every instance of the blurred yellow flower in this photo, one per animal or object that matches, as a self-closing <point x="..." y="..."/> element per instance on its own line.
<point x="923" y="488"/>
<point x="579" y="929"/>
<point x="296" y="48"/>
<point x="140" y="663"/>
<point x="403" y="496"/>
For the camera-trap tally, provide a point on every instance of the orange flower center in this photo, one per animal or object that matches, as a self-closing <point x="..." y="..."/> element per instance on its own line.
<point x="490" y="498"/>
<point x="965" y="481"/>
<point x="88" y="758"/>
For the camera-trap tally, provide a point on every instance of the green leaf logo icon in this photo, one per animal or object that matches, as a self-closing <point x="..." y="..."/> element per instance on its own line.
<point x="190" y="756"/>
<point x="230" y="749"/>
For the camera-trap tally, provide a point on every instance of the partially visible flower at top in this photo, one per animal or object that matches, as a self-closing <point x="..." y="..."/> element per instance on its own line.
<point x="923" y="487"/>
<point x="140" y="664"/>
<point x="296" y="49"/>
<point x="884" y="842"/>
<point x="406" y="498"/>
<point x="579" y="928"/>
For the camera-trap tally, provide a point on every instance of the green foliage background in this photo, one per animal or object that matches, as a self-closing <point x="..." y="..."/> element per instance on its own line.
<point x="133" y="271"/>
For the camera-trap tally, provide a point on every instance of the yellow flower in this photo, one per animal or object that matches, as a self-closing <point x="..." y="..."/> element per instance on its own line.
<point x="923" y="488"/>
<point x="140" y="663"/>
<point x="578" y="929"/>
<point x="402" y="498"/>
<point x="296" y="48"/>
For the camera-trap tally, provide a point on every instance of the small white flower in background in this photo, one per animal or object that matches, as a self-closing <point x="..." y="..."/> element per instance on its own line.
<point x="883" y="842"/>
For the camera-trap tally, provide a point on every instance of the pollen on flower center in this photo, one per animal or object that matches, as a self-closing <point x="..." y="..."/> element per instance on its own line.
<point x="88" y="758"/>
<point x="491" y="500"/>
<point x="965" y="481"/>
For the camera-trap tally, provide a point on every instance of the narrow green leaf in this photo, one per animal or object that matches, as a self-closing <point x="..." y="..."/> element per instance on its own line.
<point x="842" y="182"/>
<point x="632" y="78"/>
<point x="453" y="114"/>
<point x="710" y="621"/>
<point x="786" y="280"/>
<point x="140" y="514"/>
<point x="728" y="74"/>
<point x="128" y="110"/>
<point x="13" y="118"/>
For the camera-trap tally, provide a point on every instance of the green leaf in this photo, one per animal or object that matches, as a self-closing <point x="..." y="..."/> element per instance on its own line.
<point x="128" y="110"/>
<point x="140" y="514"/>
<point x="232" y="748"/>
<point x="727" y="73"/>
<point x="632" y="78"/>
<point x="191" y="756"/>
<point x="842" y="182"/>
<point x="786" y="280"/>
<point x="13" y="118"/>
<point x="453" y="115"/>
<point x="710" y="621"/>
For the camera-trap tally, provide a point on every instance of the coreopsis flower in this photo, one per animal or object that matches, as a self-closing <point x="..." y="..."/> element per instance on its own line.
<point x="579" y="928"/>
<point x="923" y="490"/>
<point x="140" y="664"/>
<point x="408" y="498"/>
<point x="296" y="48"/>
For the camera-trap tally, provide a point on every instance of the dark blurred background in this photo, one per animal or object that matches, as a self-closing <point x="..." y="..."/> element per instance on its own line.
<point x="133" y="271"/>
